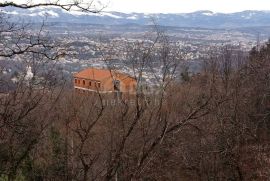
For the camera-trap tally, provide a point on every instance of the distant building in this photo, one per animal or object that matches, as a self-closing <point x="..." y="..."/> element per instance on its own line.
<point x="29" y="74"/>
<point x="104" y="81"/>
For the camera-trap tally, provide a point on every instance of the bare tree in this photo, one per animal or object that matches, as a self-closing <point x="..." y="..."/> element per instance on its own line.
<point x="26" y="107"/>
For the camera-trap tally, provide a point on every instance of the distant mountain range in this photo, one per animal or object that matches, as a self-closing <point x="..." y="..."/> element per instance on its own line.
<point x="202" y="19"/>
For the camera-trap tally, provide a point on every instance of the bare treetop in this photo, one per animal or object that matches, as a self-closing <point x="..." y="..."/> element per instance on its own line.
<point x="76" y="5"/>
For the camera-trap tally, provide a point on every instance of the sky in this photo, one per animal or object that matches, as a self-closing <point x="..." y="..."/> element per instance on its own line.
<point x="183" y="6"/>
<point x="179" y="6"/>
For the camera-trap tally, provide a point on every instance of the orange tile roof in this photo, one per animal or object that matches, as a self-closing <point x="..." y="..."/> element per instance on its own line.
<point x="101" y="74"/>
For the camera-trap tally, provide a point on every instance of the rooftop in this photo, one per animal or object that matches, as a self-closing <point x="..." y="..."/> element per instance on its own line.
<point x="102" y="74"/>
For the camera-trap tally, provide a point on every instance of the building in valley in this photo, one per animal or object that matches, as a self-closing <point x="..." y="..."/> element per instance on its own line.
<point x="104" y="81"/>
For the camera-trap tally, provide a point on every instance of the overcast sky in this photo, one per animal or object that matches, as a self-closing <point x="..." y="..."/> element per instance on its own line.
<point x="180" y="6"/>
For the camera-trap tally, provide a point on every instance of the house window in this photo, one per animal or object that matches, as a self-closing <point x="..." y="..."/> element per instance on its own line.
<point x="83" y="82"/>
<point x="79" y="81"/>
<point x="116" y="85"/>
<point x="98" y="84"/>
<point x="75" y="81"/>
<point x="90" y="83"/>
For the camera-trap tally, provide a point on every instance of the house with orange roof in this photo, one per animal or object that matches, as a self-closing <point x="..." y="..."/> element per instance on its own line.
<point x="104" y="81"/>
